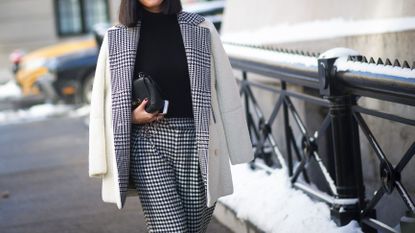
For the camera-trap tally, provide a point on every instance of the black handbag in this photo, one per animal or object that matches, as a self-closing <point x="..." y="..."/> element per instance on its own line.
<point x="145" y="87"/>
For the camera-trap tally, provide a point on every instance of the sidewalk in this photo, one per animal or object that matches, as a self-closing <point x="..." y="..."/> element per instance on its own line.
<point x="44" y="169"/>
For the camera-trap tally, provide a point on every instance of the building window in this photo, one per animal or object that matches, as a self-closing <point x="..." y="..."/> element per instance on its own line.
<point x="74" y="17"/>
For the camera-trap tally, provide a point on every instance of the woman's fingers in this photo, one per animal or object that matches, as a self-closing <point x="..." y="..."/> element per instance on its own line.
<point x="143" y="104"/>
<point x="157" y="116"/>
<point x="160" y="116"/>
<point x="147" y="116"/>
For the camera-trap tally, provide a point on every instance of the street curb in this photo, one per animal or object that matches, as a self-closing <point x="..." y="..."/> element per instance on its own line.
<point x="228" y="217"/>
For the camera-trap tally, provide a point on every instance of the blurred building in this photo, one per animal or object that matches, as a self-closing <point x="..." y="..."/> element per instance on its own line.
<point x="31" y="24"/>
<point x="382" y="28"/>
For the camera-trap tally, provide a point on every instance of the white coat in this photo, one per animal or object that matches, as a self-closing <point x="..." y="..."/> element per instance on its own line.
<point x="229" y="140"/>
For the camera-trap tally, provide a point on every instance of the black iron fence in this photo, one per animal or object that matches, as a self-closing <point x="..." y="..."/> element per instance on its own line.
<point x="340" y="77"/>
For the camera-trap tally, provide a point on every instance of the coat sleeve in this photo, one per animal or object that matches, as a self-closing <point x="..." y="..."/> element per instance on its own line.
<point x="97" y="152"/>
<point x="230" y="104"/>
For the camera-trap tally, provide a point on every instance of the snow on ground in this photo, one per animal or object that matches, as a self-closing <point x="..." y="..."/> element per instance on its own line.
<point x="343" y="65"/>
<point x="41" y="112"/>
<point x="10" y="90"/>
<point x="269" y="202"/>
<point x="319" y="29"/>
<point x="36" y="112"/>
<point x="268" y="56"/>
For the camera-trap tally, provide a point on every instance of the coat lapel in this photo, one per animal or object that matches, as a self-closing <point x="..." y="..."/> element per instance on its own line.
<point x="122" y="53"/>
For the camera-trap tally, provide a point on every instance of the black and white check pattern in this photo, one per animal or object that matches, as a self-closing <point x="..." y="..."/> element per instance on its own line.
<point x="197" y="46"/>
<point x="122" y="50"/>
<point x="166" y="173"/>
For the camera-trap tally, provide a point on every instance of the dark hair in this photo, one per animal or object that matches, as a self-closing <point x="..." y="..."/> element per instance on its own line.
<point x="131" y="10"/>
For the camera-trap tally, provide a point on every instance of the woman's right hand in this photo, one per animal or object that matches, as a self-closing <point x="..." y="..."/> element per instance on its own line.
<point x="140" y="116"/>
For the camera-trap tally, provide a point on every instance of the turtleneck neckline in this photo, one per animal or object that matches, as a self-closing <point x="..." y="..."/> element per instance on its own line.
<point x="149" y="13"/>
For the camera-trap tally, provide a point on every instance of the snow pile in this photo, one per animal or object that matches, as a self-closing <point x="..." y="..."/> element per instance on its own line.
<point x="82" y="111"/>
<point x="10" y="90"/>
<point x="41" y="112"/>
<point x="268" y="56"/>
<point x="268" y="201"/>
<point x="319" y="29"/>
<point x="343" y="65"/>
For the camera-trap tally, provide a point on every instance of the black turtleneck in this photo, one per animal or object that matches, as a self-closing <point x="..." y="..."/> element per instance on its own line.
<point x="161" y="54"/>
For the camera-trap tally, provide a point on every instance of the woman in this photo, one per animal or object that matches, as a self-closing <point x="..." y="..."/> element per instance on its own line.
<point x="178" y="163"/>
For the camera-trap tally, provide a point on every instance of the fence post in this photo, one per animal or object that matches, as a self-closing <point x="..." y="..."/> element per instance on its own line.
<point x="345" y="135"/>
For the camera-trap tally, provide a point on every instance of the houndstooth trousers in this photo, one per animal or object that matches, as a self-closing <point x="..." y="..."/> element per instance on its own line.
<point x="166" y="173"/>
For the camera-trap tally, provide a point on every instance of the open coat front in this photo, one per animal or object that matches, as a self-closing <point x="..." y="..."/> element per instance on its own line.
<point x="221" y="130"/>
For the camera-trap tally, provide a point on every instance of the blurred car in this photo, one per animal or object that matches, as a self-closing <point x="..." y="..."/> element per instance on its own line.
<point x="65" y="71"/>
<point x="60" y="71"/>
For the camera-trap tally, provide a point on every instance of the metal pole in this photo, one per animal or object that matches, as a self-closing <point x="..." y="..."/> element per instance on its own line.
<point x="287" y="130"/>
<point x="343" y="148"/>
<point x="346" y="148"/>
<point x="246" y="99"/>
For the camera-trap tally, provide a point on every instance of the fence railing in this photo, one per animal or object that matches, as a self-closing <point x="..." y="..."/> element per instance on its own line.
<point x="340" y="77"/>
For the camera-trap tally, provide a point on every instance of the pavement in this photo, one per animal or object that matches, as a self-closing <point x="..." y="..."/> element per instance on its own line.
<point x="44" y="183"/>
